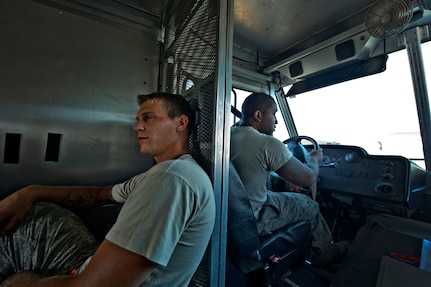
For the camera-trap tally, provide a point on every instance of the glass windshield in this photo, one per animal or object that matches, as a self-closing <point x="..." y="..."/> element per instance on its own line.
<point x="377" y="112"/>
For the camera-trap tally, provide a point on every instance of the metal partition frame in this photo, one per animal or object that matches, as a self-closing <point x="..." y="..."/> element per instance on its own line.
<point x="196" y="62"/>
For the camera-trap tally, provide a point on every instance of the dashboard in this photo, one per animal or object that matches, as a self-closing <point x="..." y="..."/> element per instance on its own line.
<point x="373" y="183"/>
<point x="377" y="183"/>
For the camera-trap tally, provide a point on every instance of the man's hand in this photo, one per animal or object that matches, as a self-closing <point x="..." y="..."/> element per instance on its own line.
<point x="12" y="210"/>
<point x="318" y="154"/>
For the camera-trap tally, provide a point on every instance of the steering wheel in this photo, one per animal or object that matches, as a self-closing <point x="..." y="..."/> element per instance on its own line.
<point x="297" y="149"/>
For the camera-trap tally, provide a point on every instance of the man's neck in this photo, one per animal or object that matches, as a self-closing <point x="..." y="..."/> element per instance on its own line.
<point x="171" y="156"/>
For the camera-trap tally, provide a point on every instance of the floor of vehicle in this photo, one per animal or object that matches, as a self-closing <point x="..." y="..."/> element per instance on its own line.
<point x="361" y="266"/>
<point x="304" y="274"/>
<point x="371" y="238"/>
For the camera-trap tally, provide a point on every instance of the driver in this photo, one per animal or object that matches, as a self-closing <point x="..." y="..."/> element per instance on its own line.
<point x="255" y="153"/>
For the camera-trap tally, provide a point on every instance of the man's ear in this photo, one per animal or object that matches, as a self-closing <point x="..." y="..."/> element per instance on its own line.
<point x="257" y="115"/>
<point x="182" y="123"/>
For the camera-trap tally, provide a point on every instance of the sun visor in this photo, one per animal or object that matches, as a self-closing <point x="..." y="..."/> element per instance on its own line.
<point x="357" y="69"/>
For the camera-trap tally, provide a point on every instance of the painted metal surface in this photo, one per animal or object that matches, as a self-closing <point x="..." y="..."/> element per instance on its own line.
<point x="75" y="78"/>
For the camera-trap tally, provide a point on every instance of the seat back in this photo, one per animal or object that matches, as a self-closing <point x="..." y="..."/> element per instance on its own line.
<point x="242" y="237"/>
<point x="100" y="218"/>
<point x="246" y="249"/>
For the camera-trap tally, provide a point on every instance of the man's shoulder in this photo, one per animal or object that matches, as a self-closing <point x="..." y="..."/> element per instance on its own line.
<point x="184" y="167"/>
<point x="185" y="160"/>
<point x="237" y="129"/>
<point x="246" y="132"/>
<point x="249" y="133"/>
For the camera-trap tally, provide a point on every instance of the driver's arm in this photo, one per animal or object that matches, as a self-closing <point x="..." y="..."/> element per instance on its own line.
<point x="111" y="266"/>
<point x="296" y="172"/>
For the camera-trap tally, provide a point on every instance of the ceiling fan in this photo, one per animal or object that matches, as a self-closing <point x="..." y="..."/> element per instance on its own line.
<point x="386" y="18"/>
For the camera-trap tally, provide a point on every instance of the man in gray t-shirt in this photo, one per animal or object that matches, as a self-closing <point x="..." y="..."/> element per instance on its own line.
<point x="161" y="232"/>
<point x="255" y="153"/>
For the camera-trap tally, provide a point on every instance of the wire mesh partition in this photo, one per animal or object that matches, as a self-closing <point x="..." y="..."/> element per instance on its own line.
<point x="189" y="64"/>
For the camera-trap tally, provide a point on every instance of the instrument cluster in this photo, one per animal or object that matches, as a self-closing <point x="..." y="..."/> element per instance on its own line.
<point x="377" y="181"/>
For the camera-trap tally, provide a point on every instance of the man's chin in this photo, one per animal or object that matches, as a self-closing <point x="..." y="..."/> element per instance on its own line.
<point x="144" y="151"/>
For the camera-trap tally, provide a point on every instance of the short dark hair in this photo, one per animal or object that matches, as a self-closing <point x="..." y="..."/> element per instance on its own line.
<point x="175" y="105"/>
<point x="254" y="102"/>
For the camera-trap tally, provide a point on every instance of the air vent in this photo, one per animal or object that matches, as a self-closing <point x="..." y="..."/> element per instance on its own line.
<point x="11" y="148"/>
<point x="52" y="147"/>
<point x="296" y="69"/>
<point x="385" y="189"/>
<point x="345" y="50"/>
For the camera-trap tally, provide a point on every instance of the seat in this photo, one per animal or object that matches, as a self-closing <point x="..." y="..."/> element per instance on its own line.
<point x="263" y="260"/>
<point x="100" y="218"/>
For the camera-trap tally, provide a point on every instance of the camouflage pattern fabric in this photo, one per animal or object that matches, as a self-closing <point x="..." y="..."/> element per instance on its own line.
<point x="50" y="240"/>
<point x="282" y="208"/>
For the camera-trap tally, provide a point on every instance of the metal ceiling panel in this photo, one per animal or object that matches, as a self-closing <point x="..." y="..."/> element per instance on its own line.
<point x="272" y="26"/>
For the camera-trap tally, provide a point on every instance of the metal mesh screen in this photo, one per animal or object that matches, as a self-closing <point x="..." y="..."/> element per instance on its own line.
<point x="188" y="68"/>
<point x="189" y="65"/>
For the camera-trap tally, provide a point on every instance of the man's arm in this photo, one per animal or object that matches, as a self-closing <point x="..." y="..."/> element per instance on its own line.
<point x="111" y="266"/>
<point x="298" y="173"/>
<point x="15" y="206"/>
<point x="78" y="197"/>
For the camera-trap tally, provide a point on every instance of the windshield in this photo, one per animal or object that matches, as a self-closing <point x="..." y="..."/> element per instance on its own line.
<point x="376" y="112"/>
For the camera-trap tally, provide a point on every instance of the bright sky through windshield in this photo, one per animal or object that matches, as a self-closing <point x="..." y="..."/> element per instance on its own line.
<point x="377" y="112"/>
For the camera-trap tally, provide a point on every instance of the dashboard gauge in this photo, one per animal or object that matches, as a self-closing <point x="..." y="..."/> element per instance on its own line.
<point x="353" y="156"/>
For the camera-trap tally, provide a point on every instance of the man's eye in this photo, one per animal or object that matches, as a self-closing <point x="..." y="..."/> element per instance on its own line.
<point x="148" y="118"/>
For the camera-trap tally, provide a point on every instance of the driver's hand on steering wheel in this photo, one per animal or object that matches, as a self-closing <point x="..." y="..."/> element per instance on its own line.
<point x="318" y="154"/>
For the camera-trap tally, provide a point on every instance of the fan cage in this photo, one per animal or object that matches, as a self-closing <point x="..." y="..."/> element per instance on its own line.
<point x="386" y="18"/>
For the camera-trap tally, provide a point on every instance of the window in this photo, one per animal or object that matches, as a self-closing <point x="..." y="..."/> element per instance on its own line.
<point x="238" y="97"/>
<point x="377" y="112"/>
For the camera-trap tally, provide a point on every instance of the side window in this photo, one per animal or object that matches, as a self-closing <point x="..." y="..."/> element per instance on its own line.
<point x="238" y="96"/>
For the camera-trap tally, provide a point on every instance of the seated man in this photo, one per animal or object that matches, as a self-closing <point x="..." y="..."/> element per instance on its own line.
<point x="160" y="235"/>
<point x="255" y="153"/>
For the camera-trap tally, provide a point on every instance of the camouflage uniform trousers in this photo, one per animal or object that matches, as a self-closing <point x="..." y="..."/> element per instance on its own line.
<point x="282" y="208"/>
<point x="50" y="240"/>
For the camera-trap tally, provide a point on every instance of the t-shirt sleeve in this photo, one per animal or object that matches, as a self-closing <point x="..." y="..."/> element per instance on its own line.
<point x="121" y="191"/>
<point x="154" y="217"/>
<point x="277" y="154"/>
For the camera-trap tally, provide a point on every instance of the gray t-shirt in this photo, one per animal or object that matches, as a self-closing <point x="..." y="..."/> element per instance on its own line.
<point x="168" y="217"/>
<point x="254" y="156"/>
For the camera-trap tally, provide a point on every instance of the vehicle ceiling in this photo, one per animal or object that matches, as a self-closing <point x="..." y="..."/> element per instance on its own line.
<point x="269" y="35"/>
<point x="273" y="26"/>
<point x="268" y="27"/>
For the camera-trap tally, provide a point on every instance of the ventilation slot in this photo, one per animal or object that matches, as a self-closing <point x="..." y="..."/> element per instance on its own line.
<point x="53" y="147"/>
<point x="11" y="148"/>
<point x="296" y="69"/>
<point x="345" y="50"/>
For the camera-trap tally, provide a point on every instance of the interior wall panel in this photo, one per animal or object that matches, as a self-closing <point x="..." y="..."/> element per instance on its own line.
<point x="77" y="78"/>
